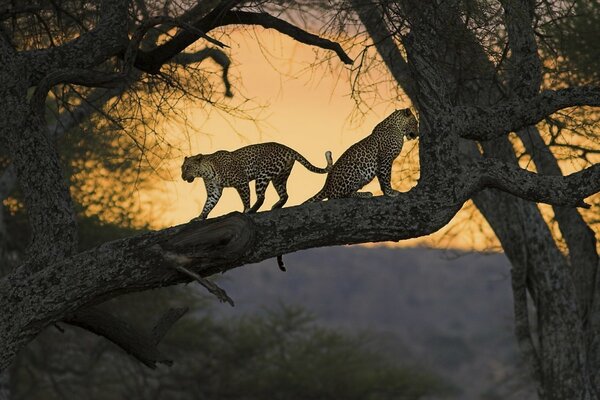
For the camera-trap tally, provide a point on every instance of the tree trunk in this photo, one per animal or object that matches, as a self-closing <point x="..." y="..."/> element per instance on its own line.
<point x="558" y="353"/>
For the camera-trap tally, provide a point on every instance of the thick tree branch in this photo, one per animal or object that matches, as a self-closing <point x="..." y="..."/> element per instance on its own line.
<point x="567" y="190"/>
<point x="487" y="123"/>
<point x="579" y="237"/>
<point x="220" y="244"/>
<point x="214" y="245"/>
<point x="36" y="164"/>
<point x="525" y="65"/>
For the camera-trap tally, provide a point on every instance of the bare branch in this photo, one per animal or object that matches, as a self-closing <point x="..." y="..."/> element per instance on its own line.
<point x="488" y="123"/>
<point x="372" y="18"/>
<point x="76" y="76"/>
<point x="213" y="245"/>
<point x="91" y="78"/>
<point x="217" y="56"/>
<point x="151" y="61"/>
<point x="269" y="22"/>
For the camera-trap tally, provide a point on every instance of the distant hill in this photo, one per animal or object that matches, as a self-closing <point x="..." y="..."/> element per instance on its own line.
<point x="451" y="312"/>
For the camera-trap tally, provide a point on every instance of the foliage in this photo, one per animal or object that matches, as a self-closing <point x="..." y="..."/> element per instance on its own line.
<point x="281" y="354"/>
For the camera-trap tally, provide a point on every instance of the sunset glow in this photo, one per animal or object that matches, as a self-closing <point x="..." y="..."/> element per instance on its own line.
<point x="297" y="99"/>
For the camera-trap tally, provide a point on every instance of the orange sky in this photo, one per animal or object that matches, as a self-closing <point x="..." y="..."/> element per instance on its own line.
<point x="308" y="109"/>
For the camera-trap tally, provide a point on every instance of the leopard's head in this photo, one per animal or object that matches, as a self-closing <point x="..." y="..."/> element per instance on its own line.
<point x="401" y="121"/>
<point x="192" y="167"/>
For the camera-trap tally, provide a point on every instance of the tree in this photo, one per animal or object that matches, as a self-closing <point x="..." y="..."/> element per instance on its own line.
<point x="57" y="283"/>
<point x="553" y="284"/>
<point x="50" y="34"/>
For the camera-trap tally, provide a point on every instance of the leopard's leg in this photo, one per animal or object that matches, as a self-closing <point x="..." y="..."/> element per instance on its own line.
<point x="384" y="172"/>
<point x="244" y="192"/>
<point x="261" y="188"/>
<point x="280" y="182"/>
<point x="213" y="194"/>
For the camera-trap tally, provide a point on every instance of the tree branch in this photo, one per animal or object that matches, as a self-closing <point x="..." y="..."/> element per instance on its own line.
<point x="139" y="344"/>
<point x="76" y="76"/>
<point x="579" y="237"/>
<point x="215" y="290"/>
<point x="217" y="56"/>
<point x="91" y="78"/>
<point x="89" y="50"/>
<point x="525" y="65"/>
<point x="479" y="123"/>
<point x="371" y="17"/>
<point x="270" y="22"/>
<point x="215" y="245"/>
<point x="219" y="244"/>
<point x="152" y="60"/>
<point x="567" y="190"/>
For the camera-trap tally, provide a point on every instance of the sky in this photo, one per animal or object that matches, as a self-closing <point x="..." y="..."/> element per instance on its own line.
<point x="305" y="106"/>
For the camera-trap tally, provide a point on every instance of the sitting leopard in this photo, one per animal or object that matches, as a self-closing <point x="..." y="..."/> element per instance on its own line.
<point x="372" y="156"/>
<point x="262" y="162"/>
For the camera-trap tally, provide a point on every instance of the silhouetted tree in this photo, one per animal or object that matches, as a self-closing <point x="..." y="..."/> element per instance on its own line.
<point x="467" y="107"/>
<point x="454" y="59"/>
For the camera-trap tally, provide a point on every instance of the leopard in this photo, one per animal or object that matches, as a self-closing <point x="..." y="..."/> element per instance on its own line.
<point x="262" y="162"/>
<point x="371" y="157"/>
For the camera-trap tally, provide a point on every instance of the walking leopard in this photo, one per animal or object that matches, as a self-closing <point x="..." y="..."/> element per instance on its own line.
<point x="264" y="162"/>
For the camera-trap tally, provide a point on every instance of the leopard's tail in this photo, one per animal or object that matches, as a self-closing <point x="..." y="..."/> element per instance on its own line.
<point x="322" y="195"/>
<point x="311" y="167"/>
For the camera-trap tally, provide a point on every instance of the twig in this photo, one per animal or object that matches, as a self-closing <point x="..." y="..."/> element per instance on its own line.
<point x="210" y="286"/>
<point x="280" y="263"/>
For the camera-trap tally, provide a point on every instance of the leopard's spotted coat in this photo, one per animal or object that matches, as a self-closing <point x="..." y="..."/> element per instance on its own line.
<point x="370" y="157"/>
<point x="264" y="162"/>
